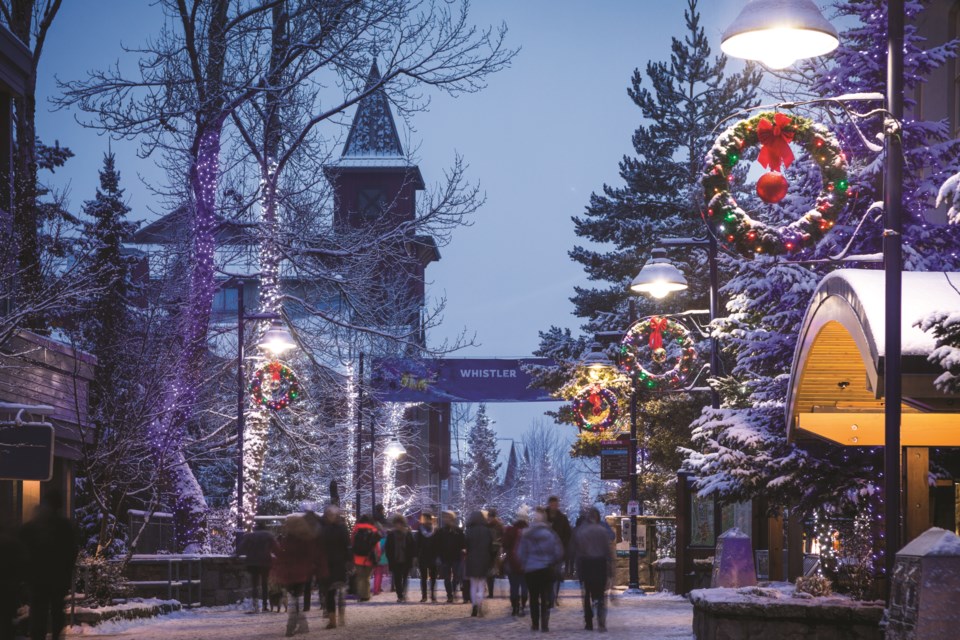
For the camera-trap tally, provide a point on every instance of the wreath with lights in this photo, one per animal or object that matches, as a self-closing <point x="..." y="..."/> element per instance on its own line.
<point x="596" y="408"/>
<point x="274" y="386"/>
<point x="774" y="132"/>
<point x="659" y="352"/>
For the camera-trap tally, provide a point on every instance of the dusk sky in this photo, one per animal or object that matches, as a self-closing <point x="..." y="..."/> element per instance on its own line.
<point x="546" y="133"/>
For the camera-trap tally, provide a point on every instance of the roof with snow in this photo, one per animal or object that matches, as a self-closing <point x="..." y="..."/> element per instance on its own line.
<point x="373" y="142"/>
<point x="836" y="380"/>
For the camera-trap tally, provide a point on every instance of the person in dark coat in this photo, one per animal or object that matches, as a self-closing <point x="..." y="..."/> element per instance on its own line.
<point x="450" y="548"/>
<point x="294" y="565"/>
<point x="496" y="529"/>
<point x="540" y="552"/>
<point x="258" y="546"/>
<point x="512" y="565"/>
<point x="51" y="543"/>
<point x="593" y="553"/>
<point x="401" y="550"/>
<point x="427" y="556"/>
<point x="335" y="541"/>
<point x="560" y="524"/>
<point x="319" y="558"/>
<point x="12" y="573"/>
<point x="479" y="541"/>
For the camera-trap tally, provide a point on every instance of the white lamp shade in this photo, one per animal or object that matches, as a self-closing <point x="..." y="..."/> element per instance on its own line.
<point x="394" y="448"/>
<point x="779" y="32"/>
<point x="277" y="339"/>
<point x="658" y="277"/>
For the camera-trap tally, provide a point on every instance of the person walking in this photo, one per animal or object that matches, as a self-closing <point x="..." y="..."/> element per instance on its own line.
<point x="426" y="551"/>
<point x="293" y="566"/>
<point x="450" y="548"/>
<point x="496" y="529"/>
<point x="366" y="553"/>
<point x="593" y="553"/>
<point x="50" y="540"/>
<point x="258" y="548"/>
<point x="382" y="564"/>
<point x="512" y="565"/>
<point x="319" y="559"/>
<point x="400" y="552"/>
<point x="540" y="552"/>
<point x="560" y="524"/>
<point x="335" y="542"/>
<point x="479" y="543"/>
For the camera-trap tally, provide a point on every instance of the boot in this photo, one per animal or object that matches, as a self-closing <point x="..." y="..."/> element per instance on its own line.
<point x="293" y="616"/>
<point x="545" y="618"/>
<point x="514" y="606"/>
<point x="333" y="622"/>
<point x="341" y="620"/>
<point x="602" y="614"/>
<point x="433" y="596"/>
<point x="473" y="612"/>
<point x="302" y="626"/>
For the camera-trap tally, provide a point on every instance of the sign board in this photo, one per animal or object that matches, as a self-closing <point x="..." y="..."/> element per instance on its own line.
<point x="26" y="452"/>
<point x="615" y="459"/>
<point x="633" y="508"/>
<point x="457" y="380"/>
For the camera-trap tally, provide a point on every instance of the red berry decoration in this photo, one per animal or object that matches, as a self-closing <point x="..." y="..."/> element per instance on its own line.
<point x="772" y="187"/>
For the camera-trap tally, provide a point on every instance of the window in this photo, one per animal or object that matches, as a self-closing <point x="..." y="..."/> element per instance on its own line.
<point x="371" y="203"/>
<point x="225" y="300"/>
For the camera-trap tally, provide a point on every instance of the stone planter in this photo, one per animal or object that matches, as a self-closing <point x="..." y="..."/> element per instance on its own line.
<point x="664" y="575"/>
<point x="752" y="613"/>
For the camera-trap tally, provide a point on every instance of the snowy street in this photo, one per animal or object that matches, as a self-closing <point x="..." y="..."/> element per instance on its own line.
<point x="654" y="617"/>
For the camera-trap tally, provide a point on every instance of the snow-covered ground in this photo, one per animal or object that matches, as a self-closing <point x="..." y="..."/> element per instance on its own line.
<point x="652" y="617"/>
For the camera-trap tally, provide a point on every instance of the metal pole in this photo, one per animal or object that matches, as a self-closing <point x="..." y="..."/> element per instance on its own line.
<point x="240" y="415"/>
<point x="714" y="312"/>
<point x="359" y="465"/>
<point x="634" y="584"/>
<point x="373" y="466"/>
<point x="893" y="267"/>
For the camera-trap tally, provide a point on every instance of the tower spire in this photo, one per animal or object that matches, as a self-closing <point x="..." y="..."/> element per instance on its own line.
<point x="373" y="132"/>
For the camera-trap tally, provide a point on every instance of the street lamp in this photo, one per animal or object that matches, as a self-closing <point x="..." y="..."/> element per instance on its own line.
<point x="277" y="339"/>
<point x="658" y="277"/>
<point x="394" y="448"/>
<point x="779" y="32"/>
<point x="769" y="17"/>
<point x="596" y="361"/>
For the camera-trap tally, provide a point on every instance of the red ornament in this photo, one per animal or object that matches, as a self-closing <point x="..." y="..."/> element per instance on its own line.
<point x="772" y="187"/>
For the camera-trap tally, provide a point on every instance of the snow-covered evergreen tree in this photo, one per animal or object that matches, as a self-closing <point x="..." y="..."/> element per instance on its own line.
<point x="509" y="488"/>
<point x="481" y="485"/>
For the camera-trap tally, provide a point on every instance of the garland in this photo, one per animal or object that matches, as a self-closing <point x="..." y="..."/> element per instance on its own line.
<point x="774" y="132"/>
<point x="274" y="386"/>
<point x="596" y="408"/>
<point x="667" y="344"/>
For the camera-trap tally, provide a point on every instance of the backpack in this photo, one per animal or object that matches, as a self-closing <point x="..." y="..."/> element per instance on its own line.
<point x="365" y="543"/>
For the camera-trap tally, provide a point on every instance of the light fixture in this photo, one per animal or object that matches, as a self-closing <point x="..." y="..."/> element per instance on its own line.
<point x="658" y="277"/>
<point x="277" y="339"/>
<point x="596" y="361"/>
<point x="394" y="448"/>
<point x="779" y="32"/>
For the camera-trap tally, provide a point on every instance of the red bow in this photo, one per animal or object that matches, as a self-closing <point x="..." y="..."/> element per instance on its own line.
<point x="597" y="402"/>
<point x="657" y="327"/>
<point x="776" y="142"/>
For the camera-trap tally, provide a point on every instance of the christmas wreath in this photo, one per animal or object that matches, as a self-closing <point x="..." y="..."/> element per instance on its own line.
<point x="274" y="386"/>
<point x="596" y="408"/>
<point x="658" y="351"/>
<point x="774" y="132"/>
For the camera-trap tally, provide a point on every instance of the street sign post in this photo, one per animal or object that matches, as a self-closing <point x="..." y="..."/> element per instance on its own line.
<point x="26" y="452"/>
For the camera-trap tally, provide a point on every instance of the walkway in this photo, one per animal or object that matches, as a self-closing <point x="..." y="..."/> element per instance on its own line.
<point x="654" y="617"/>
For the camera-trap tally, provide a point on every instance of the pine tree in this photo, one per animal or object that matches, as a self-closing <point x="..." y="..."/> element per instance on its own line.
<point x="681" y="102"/>
<point x="480" y="482"/>
<point x="509" y="489"/>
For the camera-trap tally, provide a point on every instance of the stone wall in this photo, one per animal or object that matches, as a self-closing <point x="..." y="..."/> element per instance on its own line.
<point x="207" y="581"/>
<point x="735" y="614"/>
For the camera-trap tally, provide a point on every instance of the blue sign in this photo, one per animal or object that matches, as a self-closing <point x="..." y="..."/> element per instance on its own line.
<point x="26" y="452"/>
<point x="457" y="380"/>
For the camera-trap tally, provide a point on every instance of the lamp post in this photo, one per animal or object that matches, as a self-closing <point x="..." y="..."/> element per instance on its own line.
<point x="276" y="340"/>
<point x="659" y="277"/>
<point x="789" y="25"/>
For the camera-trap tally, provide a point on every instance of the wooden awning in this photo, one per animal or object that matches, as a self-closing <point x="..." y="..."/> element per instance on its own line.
<point x="836" y="381"/>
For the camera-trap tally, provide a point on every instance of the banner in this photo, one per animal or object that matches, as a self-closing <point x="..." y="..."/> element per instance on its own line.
<point x="456" y="380"/>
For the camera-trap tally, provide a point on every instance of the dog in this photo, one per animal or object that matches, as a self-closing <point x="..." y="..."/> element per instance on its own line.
<point x="277" y="596"/>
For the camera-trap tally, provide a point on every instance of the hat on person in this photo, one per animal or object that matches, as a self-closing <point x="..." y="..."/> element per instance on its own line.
<point x="523" y="513"/>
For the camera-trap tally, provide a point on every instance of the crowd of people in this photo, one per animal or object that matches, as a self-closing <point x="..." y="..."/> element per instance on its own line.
<point x="535" y="552"/>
